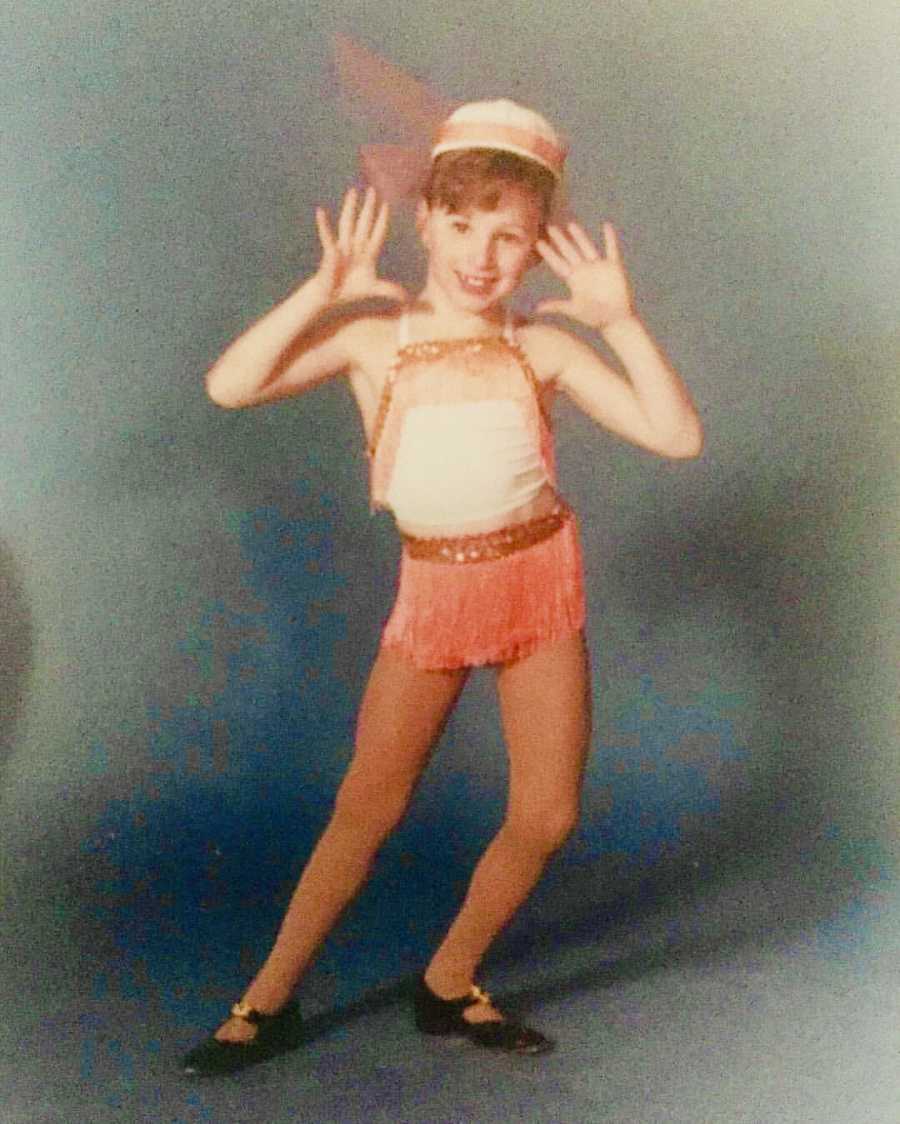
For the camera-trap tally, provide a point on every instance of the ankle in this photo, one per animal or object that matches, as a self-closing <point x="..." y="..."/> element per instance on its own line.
<point x="446" y="985"/>
<point x="267" y="995"/>
<point x="267" y="1002"/>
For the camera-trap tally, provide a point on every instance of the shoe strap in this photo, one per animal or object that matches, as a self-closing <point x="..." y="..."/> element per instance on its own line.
<point x="247" y="1013"/>
<point x="478" y="995"/>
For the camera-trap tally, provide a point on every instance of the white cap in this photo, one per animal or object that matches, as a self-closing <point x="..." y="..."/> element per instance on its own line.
<point x="503" y="125"/>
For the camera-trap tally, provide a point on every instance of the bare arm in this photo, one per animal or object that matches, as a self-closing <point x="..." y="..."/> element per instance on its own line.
<point x="651" y="406"/>
<point x="294" y="346"/>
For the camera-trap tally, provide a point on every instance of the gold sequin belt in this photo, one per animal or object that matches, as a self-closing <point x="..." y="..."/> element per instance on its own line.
<point x="491" y="544"/>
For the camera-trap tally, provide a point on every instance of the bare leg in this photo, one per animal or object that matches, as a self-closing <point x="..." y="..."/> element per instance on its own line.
<point x="401" y="717"/>
<point x="545" y="704"/>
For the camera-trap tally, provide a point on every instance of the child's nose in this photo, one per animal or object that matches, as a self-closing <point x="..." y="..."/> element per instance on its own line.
<point x="485" y="254"/>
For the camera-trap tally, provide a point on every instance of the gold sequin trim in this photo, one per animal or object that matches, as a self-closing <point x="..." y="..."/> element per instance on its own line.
<point x="516" y="349"/>
<point x="489" y="546"/>
<point x="383" y="406"/>
<point x="434" y="349"/>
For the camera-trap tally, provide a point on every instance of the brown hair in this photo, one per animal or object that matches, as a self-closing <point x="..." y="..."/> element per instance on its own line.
<point x="474" y="177"/>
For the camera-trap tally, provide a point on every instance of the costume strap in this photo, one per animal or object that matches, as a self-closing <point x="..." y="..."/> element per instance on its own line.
<point x="509" y="328"/>
<point x="403" y="329"/>
<point x="387" y="391"/>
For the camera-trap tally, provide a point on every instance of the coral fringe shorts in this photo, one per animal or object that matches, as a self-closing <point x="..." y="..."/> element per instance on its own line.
<point x="488" y="599"/>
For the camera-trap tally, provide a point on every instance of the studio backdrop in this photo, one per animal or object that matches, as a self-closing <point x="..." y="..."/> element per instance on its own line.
<point x="191" y="598"/>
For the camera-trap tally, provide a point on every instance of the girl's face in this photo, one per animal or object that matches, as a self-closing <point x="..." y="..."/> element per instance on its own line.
<point x="477" y="257"/>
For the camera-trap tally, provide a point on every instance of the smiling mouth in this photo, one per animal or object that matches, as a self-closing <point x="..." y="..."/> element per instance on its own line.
<point x="478" y="286"/>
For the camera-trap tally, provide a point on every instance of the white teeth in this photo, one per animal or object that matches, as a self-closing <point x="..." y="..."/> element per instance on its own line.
<point x="477" y="282"/>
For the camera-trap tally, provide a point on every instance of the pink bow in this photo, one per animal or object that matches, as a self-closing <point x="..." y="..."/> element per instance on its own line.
<point x="383" y="95"/>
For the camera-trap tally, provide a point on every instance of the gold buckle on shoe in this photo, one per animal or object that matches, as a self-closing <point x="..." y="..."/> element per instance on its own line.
<point x="244" y="1011"/>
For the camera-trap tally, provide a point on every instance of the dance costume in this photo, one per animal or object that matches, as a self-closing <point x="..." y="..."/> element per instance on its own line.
<point x="460" y="437"/>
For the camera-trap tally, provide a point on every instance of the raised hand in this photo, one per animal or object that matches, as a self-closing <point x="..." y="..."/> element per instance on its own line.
<point x="600" y="293"/>
<point x="348" y="269"/>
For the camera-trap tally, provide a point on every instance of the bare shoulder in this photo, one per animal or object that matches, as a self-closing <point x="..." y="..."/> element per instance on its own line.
<point x="370" y="341"/>
<point x="546" y="346"/>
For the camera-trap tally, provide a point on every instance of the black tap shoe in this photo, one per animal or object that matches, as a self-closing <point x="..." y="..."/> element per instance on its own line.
<point x="434" y="1015"/>
<point x="275" y="1034"/>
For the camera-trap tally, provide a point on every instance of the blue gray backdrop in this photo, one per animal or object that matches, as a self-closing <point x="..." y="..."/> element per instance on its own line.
<point x="191" y="598"/>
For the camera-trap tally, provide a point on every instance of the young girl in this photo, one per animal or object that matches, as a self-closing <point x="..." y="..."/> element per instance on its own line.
<point x="455" y="397"/>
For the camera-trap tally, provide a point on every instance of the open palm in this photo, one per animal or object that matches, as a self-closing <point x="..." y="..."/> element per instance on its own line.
<point x="348" y="269"/>
<point x="600" y="292"/>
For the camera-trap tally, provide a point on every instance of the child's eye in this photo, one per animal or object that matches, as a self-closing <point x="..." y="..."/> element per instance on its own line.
<point x="460" y="226"/>
<point x="508" y="236"/>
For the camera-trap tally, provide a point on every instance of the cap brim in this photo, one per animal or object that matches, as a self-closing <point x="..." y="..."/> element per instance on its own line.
<point x="463" y="146"/>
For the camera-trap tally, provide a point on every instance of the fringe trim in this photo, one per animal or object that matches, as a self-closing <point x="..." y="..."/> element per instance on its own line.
<point x="450" y="616"/>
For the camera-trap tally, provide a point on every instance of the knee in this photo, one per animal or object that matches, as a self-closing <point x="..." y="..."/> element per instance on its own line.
<point x="545" y="830"/>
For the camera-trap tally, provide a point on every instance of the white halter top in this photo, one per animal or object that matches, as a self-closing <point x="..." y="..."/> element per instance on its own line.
<point x="459" y="436"/>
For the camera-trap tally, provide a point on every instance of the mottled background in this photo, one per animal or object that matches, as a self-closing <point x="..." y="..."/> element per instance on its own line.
<point x="191" y="597"/>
